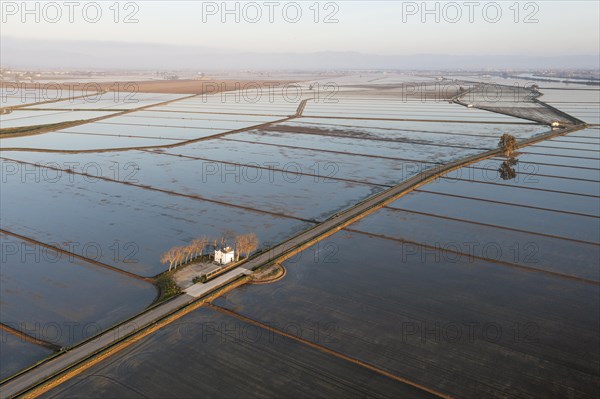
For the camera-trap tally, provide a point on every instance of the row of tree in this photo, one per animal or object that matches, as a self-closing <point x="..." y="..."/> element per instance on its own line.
<point x="242" y="244"/>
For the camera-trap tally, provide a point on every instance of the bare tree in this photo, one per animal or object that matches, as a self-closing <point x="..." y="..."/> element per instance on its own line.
<point x="239" y="242"/>
<point x="507" y="144"/>
<point x="167" y="258"/>
<point x="199" y="244"/>
<point x="245" y="244"/>
<point x="170" y="257"/>
<point x="179" y="256"/>
<point x="188" y="250"/>
<point x="252" y="243"/>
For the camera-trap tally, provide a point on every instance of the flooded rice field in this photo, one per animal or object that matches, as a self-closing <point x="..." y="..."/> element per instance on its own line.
<point x="572" y="226"/>
<point x="583" y="104"/>
<point x="60" y="141"/>
<point x="476" y="129"/>
<point x="406" y="314"/>
<point x="458" y="239"/>
<point x="447" y="272"/>
<point x="398" y="109"/>
<point x="546" y="198"/>
<point x="15" y="95"/>
<point x="452" y="134"/>
<point x="563" y="179"/>
<point x="118" y="100"/>
<point x="566" y="172"/>
<point x="219" y="355"/>
<point x="394" y="150"/>
<point x="590" y="163"/>
<point x="239" y="122"/>
<point x="17" y="354"/>
<point x="465" y="287"/>
<point x="20" y="118"/>
<point x="316" y="162"/>
<point x="250" y="101"/>
<point x="60" y="299"/>
<point x="144" y="223"/>
<point x="145" y="131"/>
<point x="285" y="190"/>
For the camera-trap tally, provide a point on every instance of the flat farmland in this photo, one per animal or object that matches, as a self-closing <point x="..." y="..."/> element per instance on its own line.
<point x="590" y="163"/>
<point x="320" y="164"/>
<point x="458" y="240"/>
<point x="397" y="109"/>
<point x="411" y="277"/>
<point x="546" y="193"/>
<point x="122" y="101"/>
<point x="531" y="170"/>
<point x="60" y="141"/>
<point x="544" y="177"/>
<point x="583" y="104"/>
<point x="472" y="285"/>
<point x="17" y="354"/>
<point x="571" y="226"/>
<point x="401" y="132"/>
<point x="563" y="152"/>
<point x="285" y="191"/>
<point x="250" y="101"/>
<point x="150" y="221"/>
<point x="148" y="129"/>
<point x="476" y="129"/>
<point x="125" y="83"/>
<point x="400" y="151"/>
<point x="62" y="299"/>
<point x="376" y="171"/>
<point x="152" y="113"/>
<point x="410" y="317"/>
<point x="176" y="133"/>
<point x="15" y="95"/>
<point x="212" y="121"/>
<point x="218" y="355"/>
<point x="572" y="142"/>
<point x="590" y="133"/>
<point x="20" y="118"/>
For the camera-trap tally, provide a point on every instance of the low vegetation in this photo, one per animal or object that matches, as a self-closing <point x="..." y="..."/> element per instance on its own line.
<point x="268" y="274"/>
<point x="199" y="279"/>
<point x="167" y="287"/>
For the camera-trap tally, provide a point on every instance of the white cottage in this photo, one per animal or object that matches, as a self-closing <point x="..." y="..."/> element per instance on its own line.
<point x="224" y="255"/>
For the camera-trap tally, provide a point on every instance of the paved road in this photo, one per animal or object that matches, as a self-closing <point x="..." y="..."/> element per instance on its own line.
<point x="200" y="289"/>
<point x="277" y="253"/>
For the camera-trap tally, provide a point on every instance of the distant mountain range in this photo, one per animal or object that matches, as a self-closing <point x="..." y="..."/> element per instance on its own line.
<point x="30" y="53"/>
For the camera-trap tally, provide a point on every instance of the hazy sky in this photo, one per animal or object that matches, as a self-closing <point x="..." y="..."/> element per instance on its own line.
<point x="386" y="27"/>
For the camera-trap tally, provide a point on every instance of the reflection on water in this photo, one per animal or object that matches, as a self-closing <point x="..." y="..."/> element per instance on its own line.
<point x="507" y="170"/>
